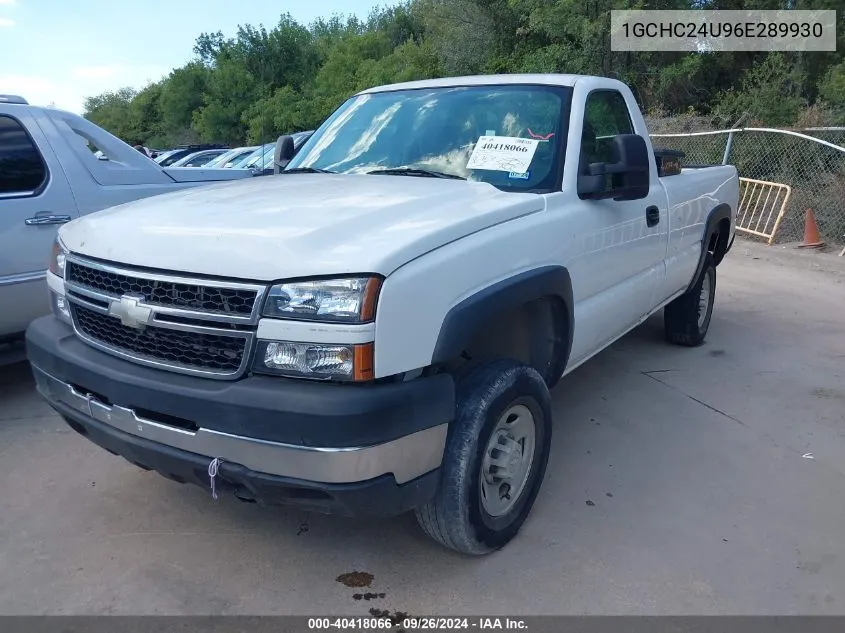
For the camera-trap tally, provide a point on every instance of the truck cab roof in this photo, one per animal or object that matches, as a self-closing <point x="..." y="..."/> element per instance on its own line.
<point x="547" y="79"/>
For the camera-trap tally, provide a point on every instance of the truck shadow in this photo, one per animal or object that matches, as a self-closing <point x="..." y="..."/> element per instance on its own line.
<point x="16" y="376"/>
<point x="589" y="388"/>
<point x="141" y="511"/>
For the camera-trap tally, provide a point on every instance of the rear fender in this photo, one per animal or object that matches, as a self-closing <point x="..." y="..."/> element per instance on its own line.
<point x="714" y="239"/>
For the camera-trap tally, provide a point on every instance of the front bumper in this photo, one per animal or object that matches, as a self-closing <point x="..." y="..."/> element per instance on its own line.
<point x="279" y="440"/>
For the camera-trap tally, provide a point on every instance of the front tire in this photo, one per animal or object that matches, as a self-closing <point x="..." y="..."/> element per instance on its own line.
<point x="687" y="319"/>
<point x="494" y="461"/>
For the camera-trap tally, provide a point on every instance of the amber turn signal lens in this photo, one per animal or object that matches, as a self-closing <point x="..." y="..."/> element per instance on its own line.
<point x="368" y="305"/>
<point x="364" y="362"/>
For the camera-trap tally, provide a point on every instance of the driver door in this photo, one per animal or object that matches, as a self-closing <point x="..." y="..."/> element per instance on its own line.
<point x="617" y="260"/>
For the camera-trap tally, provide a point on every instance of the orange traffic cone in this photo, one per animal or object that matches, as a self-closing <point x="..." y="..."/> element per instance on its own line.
<point x="812" y="239"/>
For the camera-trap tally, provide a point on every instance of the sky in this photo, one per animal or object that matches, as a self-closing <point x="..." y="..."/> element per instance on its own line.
<point x="57" y="52"/>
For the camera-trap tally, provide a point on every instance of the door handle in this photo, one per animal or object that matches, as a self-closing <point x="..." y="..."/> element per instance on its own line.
<point x="652" y="216"/>
<point x="43" y="220"/>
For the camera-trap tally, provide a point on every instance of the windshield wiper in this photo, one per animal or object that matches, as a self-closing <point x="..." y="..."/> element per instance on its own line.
<point x="411" y="171"/>
<point x="306" y="170"/>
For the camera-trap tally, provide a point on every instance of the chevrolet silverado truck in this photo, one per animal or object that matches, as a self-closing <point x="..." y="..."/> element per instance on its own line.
<point x="376" y="330"/>
<point x="54" y="167"/>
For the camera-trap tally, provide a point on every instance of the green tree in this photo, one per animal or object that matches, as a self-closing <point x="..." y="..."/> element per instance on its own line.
<point x="832" y="87"/>
<point x="230" y="91"/>
<point x="110" y="110"/>
<point x="461" y="34"/>
<point x="282" y="56"/>
<point x="283" y="112"/>
<point x="266" y="81"/>
<point x="209" y="46"/>
<point x="182" y="95"/>
<point x="770" y="93"/>
<point x="342" y="72"/>
<point x="144" y="115"/>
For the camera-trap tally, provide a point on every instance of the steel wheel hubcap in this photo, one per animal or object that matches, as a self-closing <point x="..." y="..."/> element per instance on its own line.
<point x="704" y="301"/>
<point x="507" y="460"/>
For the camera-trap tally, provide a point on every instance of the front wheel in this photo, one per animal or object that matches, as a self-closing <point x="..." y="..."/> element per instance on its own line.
<point x="495" y="459"/>
<point x="687" y="319"/>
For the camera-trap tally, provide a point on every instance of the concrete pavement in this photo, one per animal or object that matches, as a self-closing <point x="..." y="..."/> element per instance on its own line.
<point x="715" y="476"/>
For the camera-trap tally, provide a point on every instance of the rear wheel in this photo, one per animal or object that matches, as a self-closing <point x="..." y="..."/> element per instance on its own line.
<point x="687" y="319"/>
<point x="495" y="459"/>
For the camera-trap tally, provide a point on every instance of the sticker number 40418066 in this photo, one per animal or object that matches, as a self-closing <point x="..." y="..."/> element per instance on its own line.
<point x="503" y="153"/>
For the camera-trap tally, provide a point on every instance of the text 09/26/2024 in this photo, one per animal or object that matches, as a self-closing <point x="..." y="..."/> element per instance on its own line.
<point x="714" y="31"/>
<point x="414" y="623"/>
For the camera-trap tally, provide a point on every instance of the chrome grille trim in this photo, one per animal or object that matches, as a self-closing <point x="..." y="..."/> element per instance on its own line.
<point x="218" y="323"/>
<point x="221" y="317"/>
<point x="249" y="343"/>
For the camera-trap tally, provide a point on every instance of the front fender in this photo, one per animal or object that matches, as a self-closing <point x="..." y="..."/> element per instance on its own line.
<point x="478" y="311"/>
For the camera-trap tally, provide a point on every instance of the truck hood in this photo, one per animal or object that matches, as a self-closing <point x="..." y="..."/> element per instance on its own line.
<point x="295" y="225"/>
<point x="198" y="174"/>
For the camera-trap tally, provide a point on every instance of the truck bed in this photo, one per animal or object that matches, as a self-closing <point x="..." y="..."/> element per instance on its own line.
<point x="699" y="189"/>
<point x="707" y="184"/>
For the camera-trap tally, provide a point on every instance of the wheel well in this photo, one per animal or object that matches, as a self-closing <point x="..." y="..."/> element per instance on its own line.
<point x="535" y="333"/>
<point x="716" y="239"/>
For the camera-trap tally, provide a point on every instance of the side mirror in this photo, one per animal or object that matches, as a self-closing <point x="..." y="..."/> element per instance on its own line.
<point x="626" y="177"/>
<point x="283" y="154"/>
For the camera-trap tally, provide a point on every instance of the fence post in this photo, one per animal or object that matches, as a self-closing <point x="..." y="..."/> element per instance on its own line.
<point x="728" y="146"/>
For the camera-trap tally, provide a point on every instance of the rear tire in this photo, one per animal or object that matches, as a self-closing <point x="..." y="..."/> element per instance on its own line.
<point x="494" y="461"/>
<point x="687" y="319"/>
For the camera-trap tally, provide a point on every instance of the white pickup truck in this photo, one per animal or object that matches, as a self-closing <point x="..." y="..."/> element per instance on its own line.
<point x="50" y="174"/>
<point x="376" y="330"/>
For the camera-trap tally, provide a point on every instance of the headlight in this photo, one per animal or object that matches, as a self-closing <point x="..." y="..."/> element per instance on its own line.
<point x="348" y="300"/>
<point x="315" y="360"/>
<point x="57" y="258"/>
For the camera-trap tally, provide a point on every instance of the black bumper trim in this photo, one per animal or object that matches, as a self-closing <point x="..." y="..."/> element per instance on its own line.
<point x="377" y="497"/>
<point x="270" y="408"/>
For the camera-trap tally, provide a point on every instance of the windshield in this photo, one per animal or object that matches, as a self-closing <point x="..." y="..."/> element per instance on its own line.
<point x="240" y="161"/>
<point x="219" y="161"/>
<point x="266" y="157"/>
<point x="197" y="159"/>
<point x="522" y="129"/>
<point x="231" y="157"/>
<point x="255" y="158"/>
<point x="163" y="156"/>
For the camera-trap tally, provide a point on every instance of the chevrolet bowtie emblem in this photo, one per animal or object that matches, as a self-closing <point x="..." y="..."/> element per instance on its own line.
<point x="130" y="313"/>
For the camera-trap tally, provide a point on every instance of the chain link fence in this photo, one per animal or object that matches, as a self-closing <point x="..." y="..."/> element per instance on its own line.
<point x="811" y="161"/>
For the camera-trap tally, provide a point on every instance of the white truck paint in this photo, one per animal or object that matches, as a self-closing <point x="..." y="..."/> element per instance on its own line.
<point x="622" y="271"/>
<point x="438" y="244"/>
<point x="75" y="183"/>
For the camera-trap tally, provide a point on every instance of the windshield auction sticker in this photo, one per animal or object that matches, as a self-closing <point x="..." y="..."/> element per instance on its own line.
<point x="503" y="153"/>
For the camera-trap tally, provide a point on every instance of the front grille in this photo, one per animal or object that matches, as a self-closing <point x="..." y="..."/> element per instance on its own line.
<point x="234" y="301"/>
<point x="192" y="350"/>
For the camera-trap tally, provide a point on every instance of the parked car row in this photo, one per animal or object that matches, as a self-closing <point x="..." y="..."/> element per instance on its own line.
<point x="231" y="157"/>
<point x="257" y="157"/>
<point x="199" y="159"/>
<point x="261" y="158"/>
<point x="171" y="156"/>
<point x="56" y="166"/>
